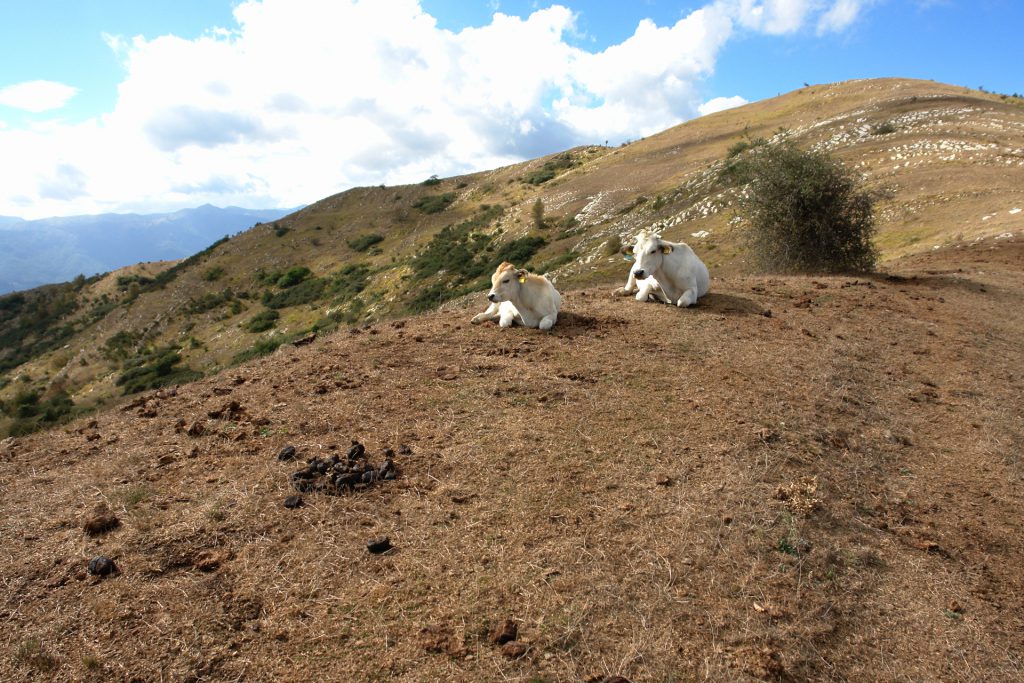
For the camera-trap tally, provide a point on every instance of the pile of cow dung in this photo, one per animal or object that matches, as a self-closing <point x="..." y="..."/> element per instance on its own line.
<point x="336" y="475"/>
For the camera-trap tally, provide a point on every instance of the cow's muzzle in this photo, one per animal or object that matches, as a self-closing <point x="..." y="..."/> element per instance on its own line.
<point x="492" y="297"/>
<point x="640" y="274"/>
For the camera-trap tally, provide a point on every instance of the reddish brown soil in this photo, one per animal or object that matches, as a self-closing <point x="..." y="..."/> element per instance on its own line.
<point x="831" y="492"/>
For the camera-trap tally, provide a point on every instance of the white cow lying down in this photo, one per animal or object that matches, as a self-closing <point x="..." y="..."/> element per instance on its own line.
<point x="520" y="297"/>
<point x="680" y="277"/>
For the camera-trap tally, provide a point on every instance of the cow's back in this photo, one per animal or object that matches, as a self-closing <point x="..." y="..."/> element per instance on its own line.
<point x="691" y="263"/>
<point x="543" y="295"/>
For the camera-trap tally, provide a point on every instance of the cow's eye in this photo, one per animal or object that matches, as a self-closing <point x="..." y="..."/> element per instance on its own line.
<point x="505" y="282"/>
<point x="653" y="250"/>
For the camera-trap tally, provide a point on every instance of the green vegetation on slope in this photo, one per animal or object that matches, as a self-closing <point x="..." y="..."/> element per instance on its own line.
<point x="550" y="169"/>
<point x="434" y="203"/>
<point x="806" y="211"/>
<point x="302" y="293"/>
<point x="154" y="368"/>
<point x="34" y="322"/>
<point x="260" y="348"/>
<point x="31" y="412"/>
<point x="210" y="301"/>
<point x="460" y="258"/>
<point x="167" y="276"/>
<point x="364" y="242"/>
<point x="262" y="321"/>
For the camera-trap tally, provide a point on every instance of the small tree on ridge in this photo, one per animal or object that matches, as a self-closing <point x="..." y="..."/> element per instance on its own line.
<point x="806" y="211"/>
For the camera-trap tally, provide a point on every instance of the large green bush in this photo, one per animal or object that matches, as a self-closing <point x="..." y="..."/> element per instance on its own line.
<point x="454" y="249"/>
<point x="164" y="277"/>
<point x="214" y="274"/>
<point x="26" y="403"/>
<point x="518" y="251"/>
<point x="341" y="286"/>
<point x="806" y="212"/>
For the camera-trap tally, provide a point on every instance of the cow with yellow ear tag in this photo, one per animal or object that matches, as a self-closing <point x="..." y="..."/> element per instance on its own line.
<point x="519" y="297"/>
<point x="682" y="277"/>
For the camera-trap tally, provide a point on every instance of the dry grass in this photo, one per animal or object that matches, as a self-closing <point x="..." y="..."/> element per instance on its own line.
<point x="828" y="493"/>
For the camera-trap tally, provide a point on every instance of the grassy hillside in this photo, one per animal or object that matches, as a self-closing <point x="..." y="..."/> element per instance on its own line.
<point x="949" y="160"/>
<point x="800" y="479"/>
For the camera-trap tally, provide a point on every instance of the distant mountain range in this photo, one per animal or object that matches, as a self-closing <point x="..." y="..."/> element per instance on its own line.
<point x="50" y="250"/>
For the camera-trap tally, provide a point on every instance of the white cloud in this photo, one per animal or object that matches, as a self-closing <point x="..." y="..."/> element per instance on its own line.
<point x="67" y="182"/>
<point x="781" y="17"/>
<point x="305" y="98"/>
<point x="37" y="96"/>
<point x="775" y="17"/>
<point x="842" y="14"/>
<point x="718" y="104"/>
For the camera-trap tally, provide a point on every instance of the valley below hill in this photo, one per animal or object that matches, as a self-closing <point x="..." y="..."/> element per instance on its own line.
<point x="52" y="250"/>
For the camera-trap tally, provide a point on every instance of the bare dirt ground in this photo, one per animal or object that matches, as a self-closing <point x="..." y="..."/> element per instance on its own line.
<point x="799" y="479"/>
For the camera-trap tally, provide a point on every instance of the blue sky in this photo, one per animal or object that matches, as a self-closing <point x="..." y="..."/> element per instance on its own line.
<point x="114" y="105"/>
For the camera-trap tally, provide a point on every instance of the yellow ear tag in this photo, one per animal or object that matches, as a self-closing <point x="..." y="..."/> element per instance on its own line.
<point x="522" y="278"/>
<point x="666" y="250"/>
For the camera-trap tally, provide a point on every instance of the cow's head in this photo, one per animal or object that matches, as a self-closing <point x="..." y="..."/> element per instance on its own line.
<point x="629" y="251"/>
<point x="505" y="282"/>
<point x="648" y="251"/>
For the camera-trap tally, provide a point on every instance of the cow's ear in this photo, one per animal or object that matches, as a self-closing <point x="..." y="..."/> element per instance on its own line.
<point x="666" y="249"/>
<point x="521" y="274"/>
<point x="627" y="253"/>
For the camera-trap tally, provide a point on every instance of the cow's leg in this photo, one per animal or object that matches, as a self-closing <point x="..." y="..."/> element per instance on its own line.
<point x="508" y="314"/>
<point x="548" y="321"/>
<point x="490" y="314"/>
<point x="630" y="286"/>
<point x="646" y="289"/>
<point x="688" y="298"/>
